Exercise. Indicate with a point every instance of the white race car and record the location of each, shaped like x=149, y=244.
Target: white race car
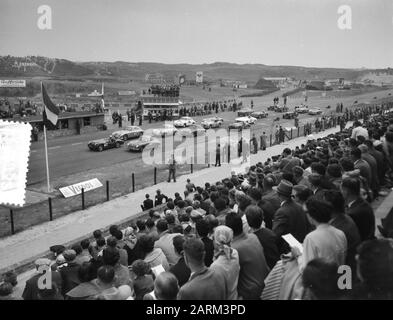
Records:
x=314, y=111
x=247, y=120
x=214, y=122
x=184, y=122
x=301, y=109
x=130, y=132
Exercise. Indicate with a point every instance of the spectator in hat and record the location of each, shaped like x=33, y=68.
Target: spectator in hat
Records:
x=165, y=241
x=266, y=237
x=227, y=259
x=253, y=266
x=153, y=256
x=270, y=196
x=301, y=193
x=325, y=241
x=69, y=273
x=180, y=269
x=204, y=283
x=289, y=218
x=143, y=282
x=358, y=209
x=202, y=231
x=166, y=287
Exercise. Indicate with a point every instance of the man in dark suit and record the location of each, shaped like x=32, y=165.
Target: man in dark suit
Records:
x=31, y=291
x=160, y=198
x=180, y=269
x=372, y=162
x=290, y=217
x=358, y=209
x=202, y=229
x=147, y=203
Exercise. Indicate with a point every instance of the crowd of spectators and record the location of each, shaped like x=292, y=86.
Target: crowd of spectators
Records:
x=224, y=240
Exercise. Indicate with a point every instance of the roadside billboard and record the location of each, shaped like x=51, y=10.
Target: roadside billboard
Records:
x=12, y=83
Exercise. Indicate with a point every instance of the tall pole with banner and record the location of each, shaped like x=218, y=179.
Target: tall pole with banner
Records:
x=50, y=114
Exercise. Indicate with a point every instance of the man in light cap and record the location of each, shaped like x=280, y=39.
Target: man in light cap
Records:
x=43, y=265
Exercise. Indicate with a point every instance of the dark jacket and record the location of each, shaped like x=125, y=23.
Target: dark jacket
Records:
x=290, y=218
x=268, y=240
x=363, y=215
x=181, y=271
x=206, y=284
x=209, y=251
x=31, y=289
x=69, y=277
x=148, y=204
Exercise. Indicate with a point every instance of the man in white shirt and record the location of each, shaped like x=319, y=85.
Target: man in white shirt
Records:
x=326, y=241
x=358, y=130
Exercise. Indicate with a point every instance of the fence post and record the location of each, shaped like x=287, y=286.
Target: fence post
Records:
x=155, y=175
x=83, y=199
x=192, y=166
x=298, y=131
x=291, y=133
x=12, y=221
x=270, y=139
x=50, y=209
x=133, y=182
x=107, y=190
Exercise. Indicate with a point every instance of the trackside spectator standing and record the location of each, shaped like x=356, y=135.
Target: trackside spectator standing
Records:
x=172, y=169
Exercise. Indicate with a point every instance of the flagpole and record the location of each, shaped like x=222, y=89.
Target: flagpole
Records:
x=46, y=153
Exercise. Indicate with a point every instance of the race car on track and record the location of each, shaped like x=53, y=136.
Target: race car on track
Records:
x=168, y=129
x=104, y=144
x=184, y=122
x=280, y=109
x=289, y=115
x=314, y=111
x=128, y=133
x=193, y=130
x=301, y=109
x=259, y=114
x=142, y=143
x=238, y=126
x=248, y=120
x=214, y=122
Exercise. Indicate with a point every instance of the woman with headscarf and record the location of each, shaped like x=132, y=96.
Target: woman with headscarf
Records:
x=226, y=259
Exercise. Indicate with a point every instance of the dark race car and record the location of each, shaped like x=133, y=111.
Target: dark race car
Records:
x=104, y=144
x=259, y=114
x=289, y=115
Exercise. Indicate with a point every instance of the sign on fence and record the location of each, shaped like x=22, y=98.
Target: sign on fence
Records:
x=76, y=189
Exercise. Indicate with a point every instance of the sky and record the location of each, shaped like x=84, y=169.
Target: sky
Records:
x=272, y=32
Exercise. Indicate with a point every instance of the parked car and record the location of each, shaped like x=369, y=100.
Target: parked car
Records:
x=128, y=133
x=301, y=109
x=104, y=144
x=259, y=114
x=214, y=122
x=184, y=122
x=248, y=119
x=281, y=109
x=314, y=111
x=193, y=130
x=289, y=115
x=168, y=129
x=142, y=143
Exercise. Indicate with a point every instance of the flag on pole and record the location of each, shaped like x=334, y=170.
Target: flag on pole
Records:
x=102, y=97
x=51, y=112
